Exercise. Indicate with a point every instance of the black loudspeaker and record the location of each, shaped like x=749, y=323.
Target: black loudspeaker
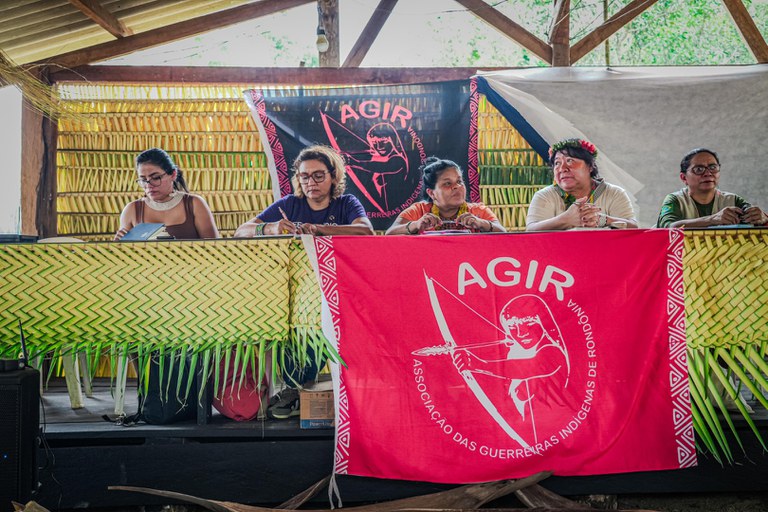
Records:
x=19, y=429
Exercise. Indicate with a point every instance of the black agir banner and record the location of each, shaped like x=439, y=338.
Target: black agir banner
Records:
x=384, y=132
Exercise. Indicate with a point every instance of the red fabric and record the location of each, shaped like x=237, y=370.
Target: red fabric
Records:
x=466, y=363
x=236, y=399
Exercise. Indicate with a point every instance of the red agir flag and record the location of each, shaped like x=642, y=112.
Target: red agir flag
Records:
x=484, y=357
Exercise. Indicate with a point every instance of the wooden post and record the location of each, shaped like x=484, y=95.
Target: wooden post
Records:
x=31, y=165
x=46, y=217
x=607, y=42
x=38, y=172
x=328, y=17
x=561, y=34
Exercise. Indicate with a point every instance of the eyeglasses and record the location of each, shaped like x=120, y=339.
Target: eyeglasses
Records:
x=153, y=180
x=698, y=170
x=317, y=177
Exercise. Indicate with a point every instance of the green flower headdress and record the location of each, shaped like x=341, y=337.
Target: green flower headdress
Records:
x=573, y=143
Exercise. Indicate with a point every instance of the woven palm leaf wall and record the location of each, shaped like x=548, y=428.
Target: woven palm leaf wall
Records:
x=510, y=171
x=210, y=133
x=726, y=304
x=207, y=130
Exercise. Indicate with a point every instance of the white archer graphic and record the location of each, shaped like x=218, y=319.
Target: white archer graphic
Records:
x=533, y=357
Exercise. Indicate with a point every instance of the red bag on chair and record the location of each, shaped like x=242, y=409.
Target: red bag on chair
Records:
x=240, y=401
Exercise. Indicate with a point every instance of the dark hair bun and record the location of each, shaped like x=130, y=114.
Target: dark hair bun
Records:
x=429, y=161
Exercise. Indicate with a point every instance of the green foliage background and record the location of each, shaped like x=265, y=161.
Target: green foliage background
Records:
x=669, y=33
x=442, y=33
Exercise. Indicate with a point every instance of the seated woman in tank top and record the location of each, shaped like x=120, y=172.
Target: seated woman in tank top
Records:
x=167, y=200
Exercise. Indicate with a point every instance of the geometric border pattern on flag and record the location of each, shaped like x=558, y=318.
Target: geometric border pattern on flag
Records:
x=678, y=360
x=472, y=161
x=273, y=143
x=326, y=264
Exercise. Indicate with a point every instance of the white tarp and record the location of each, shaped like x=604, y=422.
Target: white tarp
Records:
x=643, y=120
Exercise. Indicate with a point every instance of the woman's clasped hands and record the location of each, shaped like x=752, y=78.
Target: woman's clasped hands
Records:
x=465, y=220
x=426, y=222
x=583, y=214
x=474, y=222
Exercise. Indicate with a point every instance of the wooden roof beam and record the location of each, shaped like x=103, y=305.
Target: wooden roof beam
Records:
x=562, y=8
x=170, y=33
x=598, y=36
x=509, y=28
x=369, y=34
x=328, y=17
x=262, y=76
x=748, y=29
x=560, y=35
x=109, y=22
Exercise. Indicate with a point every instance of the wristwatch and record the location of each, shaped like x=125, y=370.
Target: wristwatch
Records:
x=602, y=220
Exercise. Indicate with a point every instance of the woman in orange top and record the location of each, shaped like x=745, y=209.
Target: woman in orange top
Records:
x=445, y=206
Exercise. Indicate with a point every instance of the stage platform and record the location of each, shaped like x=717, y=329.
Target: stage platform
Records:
x=267, y=462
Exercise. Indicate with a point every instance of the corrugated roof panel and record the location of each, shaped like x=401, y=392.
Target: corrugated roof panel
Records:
x=31, y=31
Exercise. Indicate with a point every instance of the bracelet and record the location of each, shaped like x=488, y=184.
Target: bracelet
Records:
x=259, y=229
x=408, y=228
x=602, y=220
x=490, y=226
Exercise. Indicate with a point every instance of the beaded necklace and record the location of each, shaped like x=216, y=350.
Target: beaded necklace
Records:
x=436, y=211
x=175, y=199
x=569, y=199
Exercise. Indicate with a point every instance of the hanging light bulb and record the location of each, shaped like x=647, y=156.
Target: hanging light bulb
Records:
x=322, y=41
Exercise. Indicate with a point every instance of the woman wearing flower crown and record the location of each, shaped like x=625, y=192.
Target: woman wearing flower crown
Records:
x=445, y=205
x=167, y=200
x=579, y=198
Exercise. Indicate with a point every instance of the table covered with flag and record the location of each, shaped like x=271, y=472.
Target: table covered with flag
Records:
x=477, y=358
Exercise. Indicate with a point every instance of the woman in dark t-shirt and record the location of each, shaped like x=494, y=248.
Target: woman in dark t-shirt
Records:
x=318, y=205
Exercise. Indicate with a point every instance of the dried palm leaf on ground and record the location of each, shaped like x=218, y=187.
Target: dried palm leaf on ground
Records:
x=464, y=497
x=31, y=506
x=537, y=496
x=35, y=507
x=304, y=496
x=467, y=498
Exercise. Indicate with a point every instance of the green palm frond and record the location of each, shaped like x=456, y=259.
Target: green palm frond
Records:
x=706, y=423
x=712, y=384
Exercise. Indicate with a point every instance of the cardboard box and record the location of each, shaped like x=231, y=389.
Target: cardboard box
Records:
x=316, y=406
